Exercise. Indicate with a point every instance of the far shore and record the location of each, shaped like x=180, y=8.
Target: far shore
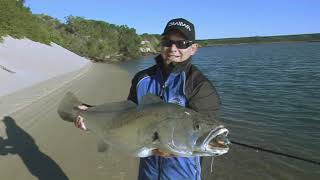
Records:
x=257, y=43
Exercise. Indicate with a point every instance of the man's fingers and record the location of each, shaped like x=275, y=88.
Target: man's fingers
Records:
x=83, y=126
x=79, y=123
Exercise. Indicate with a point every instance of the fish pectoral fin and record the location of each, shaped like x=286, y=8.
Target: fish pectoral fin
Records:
x=102, y=146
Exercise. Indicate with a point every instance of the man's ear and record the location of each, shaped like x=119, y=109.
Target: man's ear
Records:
x=194, y=48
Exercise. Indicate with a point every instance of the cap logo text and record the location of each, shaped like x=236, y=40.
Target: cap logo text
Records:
x=179, y=23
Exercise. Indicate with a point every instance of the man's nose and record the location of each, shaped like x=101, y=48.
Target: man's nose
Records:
x=173, y=47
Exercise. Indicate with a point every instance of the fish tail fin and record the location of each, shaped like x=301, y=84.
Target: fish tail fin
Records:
x=68, y=107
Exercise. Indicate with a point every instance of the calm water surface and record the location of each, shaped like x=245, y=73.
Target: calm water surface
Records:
x=270, y=98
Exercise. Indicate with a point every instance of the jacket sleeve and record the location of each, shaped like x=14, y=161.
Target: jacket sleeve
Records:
x=133, y=91
x=205, y=99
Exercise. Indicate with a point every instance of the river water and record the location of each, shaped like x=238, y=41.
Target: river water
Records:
x=270, y=98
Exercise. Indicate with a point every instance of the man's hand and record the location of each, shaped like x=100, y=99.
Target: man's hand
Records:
x=158, y=152
x=79, y=121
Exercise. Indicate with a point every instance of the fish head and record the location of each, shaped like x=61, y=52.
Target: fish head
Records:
x=211, y=142
x=211, y=136
x=193, y=134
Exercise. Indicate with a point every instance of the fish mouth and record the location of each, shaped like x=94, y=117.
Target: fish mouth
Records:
x=215, y=142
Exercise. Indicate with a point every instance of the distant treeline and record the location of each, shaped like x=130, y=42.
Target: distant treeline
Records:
x=97, y=40
x=261, y=39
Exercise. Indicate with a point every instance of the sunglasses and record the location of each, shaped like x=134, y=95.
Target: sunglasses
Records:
x=181, y=44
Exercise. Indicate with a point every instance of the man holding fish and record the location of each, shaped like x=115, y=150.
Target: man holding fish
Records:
x=175, y=80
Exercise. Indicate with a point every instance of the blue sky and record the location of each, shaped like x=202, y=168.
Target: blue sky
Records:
x=212, y=18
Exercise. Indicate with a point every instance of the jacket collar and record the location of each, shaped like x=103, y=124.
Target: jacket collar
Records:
x=174, y=68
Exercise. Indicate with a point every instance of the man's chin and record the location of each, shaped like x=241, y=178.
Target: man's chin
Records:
x=173, y=60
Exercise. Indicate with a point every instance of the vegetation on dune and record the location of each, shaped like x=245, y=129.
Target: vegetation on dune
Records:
x=18, y=21
x=97, y=40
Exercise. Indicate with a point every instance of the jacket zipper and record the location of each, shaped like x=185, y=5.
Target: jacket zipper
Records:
x=163, y=86
x=162, y=91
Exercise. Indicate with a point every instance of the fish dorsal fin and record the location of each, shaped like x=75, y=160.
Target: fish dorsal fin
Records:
x=149, y=99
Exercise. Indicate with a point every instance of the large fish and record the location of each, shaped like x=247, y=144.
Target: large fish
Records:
x=154, y=124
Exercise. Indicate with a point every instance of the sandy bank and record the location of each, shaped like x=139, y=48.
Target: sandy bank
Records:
x=34, y=142
x=42, y=146
x=24, y=63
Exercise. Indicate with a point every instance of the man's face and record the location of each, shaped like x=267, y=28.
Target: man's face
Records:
x=173, y=54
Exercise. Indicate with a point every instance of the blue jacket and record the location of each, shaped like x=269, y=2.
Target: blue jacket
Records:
x=184, y=85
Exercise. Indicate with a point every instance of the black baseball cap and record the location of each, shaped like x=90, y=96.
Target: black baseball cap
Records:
x=182, y=25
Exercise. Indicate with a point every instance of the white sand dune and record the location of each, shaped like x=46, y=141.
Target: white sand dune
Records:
x=24, y=63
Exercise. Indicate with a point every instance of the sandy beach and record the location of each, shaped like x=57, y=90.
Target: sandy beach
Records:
x=36, y=144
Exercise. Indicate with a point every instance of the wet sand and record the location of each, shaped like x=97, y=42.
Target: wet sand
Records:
x=36, y=144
